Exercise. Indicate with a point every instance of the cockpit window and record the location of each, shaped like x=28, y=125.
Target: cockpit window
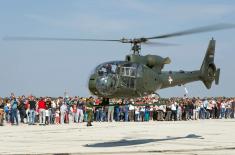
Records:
x=121, y=68
x=108, y=68
x=128, y=71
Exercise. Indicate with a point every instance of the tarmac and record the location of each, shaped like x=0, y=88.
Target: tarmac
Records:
x=154, y=137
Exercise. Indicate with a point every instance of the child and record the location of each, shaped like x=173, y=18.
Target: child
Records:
x=47, y=117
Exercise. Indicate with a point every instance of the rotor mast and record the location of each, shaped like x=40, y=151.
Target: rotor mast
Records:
x=135, y=43
x=136, y=47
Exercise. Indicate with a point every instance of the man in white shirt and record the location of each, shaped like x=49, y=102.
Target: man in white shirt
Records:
x=63, y=110
x=173, y=111
x=131, y=110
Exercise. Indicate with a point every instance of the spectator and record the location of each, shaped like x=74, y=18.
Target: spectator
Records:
x=63, y=111
x=6, y=110
x=57, y=116
x=14, y=112
x=22, y=110
x=117, y=113
x=32, y=110
x=111, y=110
x=126, y=111
x=42, y=111
x=131, y=110
x=80, y=107
x=173, y=111
x=1, y=111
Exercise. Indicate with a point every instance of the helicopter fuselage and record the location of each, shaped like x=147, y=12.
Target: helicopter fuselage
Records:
x=123, y=79
x=139, y=76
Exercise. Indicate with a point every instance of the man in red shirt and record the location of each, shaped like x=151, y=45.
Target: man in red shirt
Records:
x=42, y=111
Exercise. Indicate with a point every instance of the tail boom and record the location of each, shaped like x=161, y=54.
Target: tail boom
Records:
x=207, y=73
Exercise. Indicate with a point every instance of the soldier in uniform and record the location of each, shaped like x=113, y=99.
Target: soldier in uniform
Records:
x=89, y=110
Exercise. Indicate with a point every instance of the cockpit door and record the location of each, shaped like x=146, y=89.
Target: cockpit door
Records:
x=128, y=76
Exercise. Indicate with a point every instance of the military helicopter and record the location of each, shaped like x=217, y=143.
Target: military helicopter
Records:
x=140, y=75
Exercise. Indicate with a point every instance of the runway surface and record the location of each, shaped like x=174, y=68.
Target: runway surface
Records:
x=185, y=137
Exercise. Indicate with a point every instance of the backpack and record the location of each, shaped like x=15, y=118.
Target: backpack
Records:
x=14, y=105
x=6, y=109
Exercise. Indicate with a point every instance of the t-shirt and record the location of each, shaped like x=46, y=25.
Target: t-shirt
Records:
x=110, y=108
x=14, y=105
x=173, y=107
x=32, y=105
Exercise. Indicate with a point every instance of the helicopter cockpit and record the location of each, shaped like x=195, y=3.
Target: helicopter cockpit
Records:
x=116, y=74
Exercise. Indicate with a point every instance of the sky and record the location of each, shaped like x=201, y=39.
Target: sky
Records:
x=47, y=68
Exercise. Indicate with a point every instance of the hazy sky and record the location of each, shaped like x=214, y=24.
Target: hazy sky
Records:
x=49, y=67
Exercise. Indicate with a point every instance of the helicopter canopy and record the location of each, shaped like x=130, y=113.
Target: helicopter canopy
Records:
x=110, y=74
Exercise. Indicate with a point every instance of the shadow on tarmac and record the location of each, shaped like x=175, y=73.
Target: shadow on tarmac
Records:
x=125, y=142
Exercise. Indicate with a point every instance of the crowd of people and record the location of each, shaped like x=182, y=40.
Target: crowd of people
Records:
x=47, y=110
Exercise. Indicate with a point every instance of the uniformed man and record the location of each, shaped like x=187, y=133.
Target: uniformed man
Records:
x=89, y=110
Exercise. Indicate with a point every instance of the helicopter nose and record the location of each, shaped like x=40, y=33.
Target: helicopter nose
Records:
x=92, y=84
x=102, y=85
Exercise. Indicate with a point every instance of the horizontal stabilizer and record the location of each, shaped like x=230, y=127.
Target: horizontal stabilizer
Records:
x=217, y=76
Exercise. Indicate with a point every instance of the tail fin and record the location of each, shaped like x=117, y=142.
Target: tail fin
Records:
x=209, y=73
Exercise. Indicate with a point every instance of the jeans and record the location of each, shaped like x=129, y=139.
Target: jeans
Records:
x=137, y=117
x=222, y=112
x=22, y=115
x=14, y=116
x=117, y=115
x=7, y=116
x=173, y=115
x=99, y=115
x=126, y=116
x=31, y=116
x=142, y=116
x=85, y=116
x=202, y=113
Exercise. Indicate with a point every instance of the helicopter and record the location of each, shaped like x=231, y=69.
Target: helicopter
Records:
x=140, y=75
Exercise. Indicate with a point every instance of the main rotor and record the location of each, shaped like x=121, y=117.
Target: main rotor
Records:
x=135, y=42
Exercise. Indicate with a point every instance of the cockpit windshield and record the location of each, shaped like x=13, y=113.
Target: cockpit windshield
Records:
x=108, y=68
x=114, y=73
x=121, y=68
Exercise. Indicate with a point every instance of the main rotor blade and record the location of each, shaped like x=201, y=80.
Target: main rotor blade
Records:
x=196, y=30
x=158, y=44
x=53, y=39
